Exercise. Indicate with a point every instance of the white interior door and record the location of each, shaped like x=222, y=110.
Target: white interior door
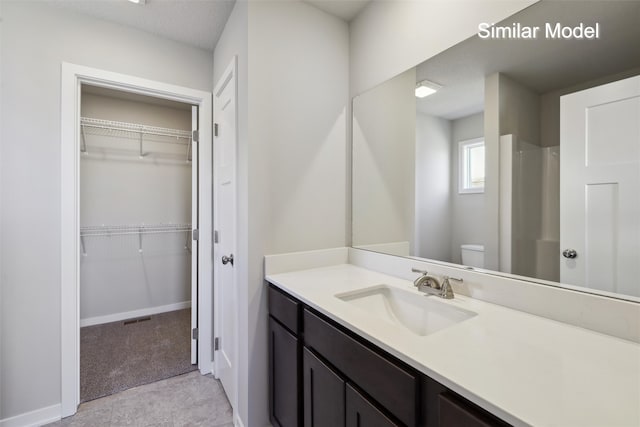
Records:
x=194, y=241
x=600, y=187
x=224, y=172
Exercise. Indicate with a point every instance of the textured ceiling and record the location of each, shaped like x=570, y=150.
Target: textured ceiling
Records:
x=543, y=65
x=195, y=22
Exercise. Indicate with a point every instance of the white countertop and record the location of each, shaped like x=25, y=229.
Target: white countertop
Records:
x=525, y=369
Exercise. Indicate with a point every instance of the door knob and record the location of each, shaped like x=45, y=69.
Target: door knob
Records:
x=569, y=253
x=227, y=259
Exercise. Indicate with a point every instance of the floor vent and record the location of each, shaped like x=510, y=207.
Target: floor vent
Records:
x=136, y=320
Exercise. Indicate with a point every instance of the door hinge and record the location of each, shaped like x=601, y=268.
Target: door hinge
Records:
x=195, y=136
x=194, y=334
x=215, y=129
x=216, y=344
x=215, y=236
x=196, y=234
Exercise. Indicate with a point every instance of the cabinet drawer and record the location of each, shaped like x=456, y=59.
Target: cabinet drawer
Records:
x=392, y=386
x=284, y=308
x=455, y=412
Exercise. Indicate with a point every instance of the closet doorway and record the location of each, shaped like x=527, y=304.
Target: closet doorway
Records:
x=136, y=190
x=138, y=263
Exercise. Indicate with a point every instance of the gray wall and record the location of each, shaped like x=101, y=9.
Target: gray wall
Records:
x=118, y=188
x=293, y=81
x=510, y=108
x=467, y=210
x=520, y=117
x=384, y=140
x=433, y=188
x=519, y=110
x=299, y=86
x=389, y=37
x=30, y=172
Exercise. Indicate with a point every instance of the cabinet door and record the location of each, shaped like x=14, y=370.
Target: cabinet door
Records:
x=361, y=413
x=456, y=413
x=283, y=374
x=324, y=399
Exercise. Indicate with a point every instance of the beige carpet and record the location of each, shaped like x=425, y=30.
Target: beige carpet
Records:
x=115, y=356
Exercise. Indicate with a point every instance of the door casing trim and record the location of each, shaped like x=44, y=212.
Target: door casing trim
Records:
x=72, y=77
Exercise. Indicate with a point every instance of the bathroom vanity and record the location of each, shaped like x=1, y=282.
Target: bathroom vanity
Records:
x=352, y=346
x=324, y=374
x=544, y=329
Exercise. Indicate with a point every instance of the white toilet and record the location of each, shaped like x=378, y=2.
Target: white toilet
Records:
x=473, y=255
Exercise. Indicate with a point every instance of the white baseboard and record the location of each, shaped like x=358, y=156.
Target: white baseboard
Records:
x=39, y=417
x=115, y=317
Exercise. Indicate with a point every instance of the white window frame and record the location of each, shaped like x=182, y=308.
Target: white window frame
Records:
x=463, y=166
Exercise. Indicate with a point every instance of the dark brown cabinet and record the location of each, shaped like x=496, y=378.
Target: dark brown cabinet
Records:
x=285, y=353
x=457, y=412
x=361, y=412
x=323, y=393
x=283, y=362
x=324, y=375
x=393, y=386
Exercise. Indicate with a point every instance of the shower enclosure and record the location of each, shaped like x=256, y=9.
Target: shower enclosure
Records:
x=529, y=209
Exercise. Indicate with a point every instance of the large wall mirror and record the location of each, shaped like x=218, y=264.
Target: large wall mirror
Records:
x=512, y=156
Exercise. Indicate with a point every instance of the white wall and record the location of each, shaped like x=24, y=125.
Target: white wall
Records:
x=298, y=83
x=293, y=83
x=36, y=39
x=119, y=188
x=433, y=188
x=467, y=209
x=389, y=37
x=384, y=141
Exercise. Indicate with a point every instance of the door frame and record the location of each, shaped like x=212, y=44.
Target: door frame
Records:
x=72, y=76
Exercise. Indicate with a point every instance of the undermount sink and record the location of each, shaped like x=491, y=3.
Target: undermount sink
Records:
x=420, y=314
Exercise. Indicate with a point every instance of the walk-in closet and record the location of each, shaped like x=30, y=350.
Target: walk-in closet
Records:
x=136, y=214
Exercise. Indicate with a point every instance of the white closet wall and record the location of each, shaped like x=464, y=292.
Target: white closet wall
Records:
x=124, y=274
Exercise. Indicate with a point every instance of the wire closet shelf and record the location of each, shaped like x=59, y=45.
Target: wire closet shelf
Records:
x=121, y=230
x=91, y=126
x=139, y=230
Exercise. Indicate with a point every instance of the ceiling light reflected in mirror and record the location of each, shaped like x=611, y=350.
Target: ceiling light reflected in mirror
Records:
x=426, y=88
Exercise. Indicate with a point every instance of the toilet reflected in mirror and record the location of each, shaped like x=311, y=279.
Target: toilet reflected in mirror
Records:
x=472, y=255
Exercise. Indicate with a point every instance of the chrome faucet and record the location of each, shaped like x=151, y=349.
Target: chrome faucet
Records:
x=431, y=285
x=425, y=280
